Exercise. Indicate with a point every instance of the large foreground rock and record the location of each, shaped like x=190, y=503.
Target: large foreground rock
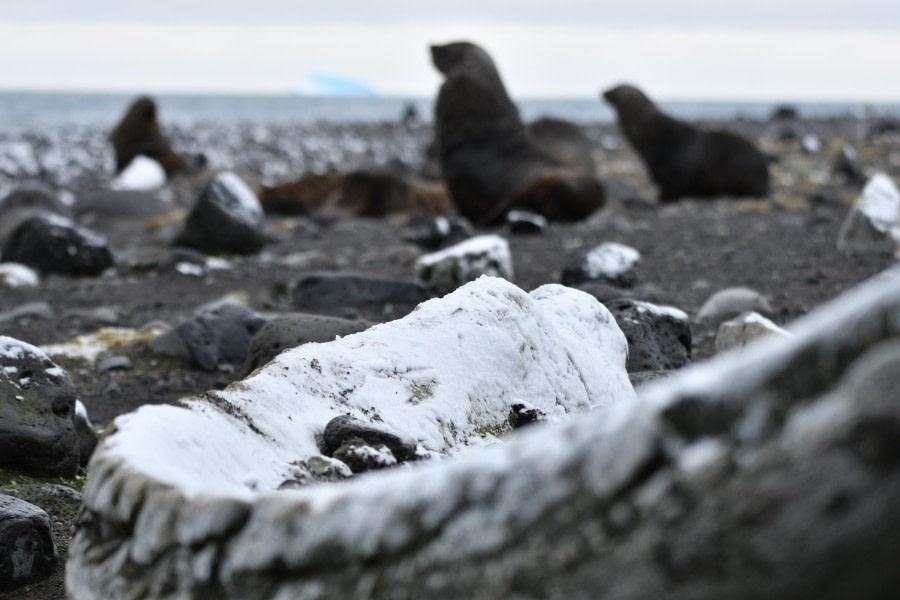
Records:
x=446, y=375
x=771, y=473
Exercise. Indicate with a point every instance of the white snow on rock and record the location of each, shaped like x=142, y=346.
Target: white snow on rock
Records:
x=744, y=329
x=238, y=199
x=661, y=310
x=14, y=275
x=610, y=259
x=873, y=224
x=142, y=173
x=447, y=374
x=447, y=269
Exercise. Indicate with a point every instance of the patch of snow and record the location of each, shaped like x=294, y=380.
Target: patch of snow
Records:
x=610, y=259
x=447, y=374
x=90, y=346
x=186, y=268
x=15, y=275
x=880, y=201
x=215, y=263
x=663, y=310
x=142, y=173
x=81, y=411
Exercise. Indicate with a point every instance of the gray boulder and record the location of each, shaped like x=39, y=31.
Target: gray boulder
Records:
x=227, y=217
x=27, y=551
x=610, y=262
x=291, y=330
x=731, y=302
x=659, y=337
x=216, y=335
x=53, y=244
x=37, y=406
x=328, y=289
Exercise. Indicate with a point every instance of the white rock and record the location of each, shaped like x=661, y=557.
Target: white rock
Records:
x=142, y=173
x=873, y=224
x=14, y=275
x=731, y=302
x=446, y=270
x=744, y=329
x=610, y=259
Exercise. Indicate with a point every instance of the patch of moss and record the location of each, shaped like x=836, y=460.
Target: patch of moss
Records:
x=11, y=477
x=494, y=429
x=419, y=392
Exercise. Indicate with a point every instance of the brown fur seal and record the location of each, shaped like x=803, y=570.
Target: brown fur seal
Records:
x=686, y=161
x=139, y=133
x=487, y=158
x=366, y=193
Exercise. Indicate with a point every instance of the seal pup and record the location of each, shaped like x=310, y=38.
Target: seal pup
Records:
x=487, y=158
x=139, y=133
x=684, y=160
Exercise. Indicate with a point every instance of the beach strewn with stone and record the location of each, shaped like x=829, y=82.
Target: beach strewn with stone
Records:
x=654, y=392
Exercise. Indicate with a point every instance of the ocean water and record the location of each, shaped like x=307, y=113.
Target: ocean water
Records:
x=36, y=110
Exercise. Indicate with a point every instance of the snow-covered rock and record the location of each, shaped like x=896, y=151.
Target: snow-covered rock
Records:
x=744, y=329
x=13, y=275
x=447, y=269
x=446, y=375
x=639, y=500
x=610, y=261
x=142, y=173
x=873, y=224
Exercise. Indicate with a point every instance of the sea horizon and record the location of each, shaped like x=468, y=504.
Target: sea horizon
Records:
x=36, y=109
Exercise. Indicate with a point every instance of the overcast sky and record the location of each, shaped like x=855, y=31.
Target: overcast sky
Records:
x=693, y=49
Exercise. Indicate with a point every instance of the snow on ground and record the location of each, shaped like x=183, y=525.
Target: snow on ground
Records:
x=447, y=374
x=142, y=173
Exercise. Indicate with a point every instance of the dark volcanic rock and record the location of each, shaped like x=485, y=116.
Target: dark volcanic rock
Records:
x=341, y=429
x=291, y=330
x=37, y=404
x=659, y=338
x=216, y=335
x=361, y=456
x=522, y=414
x=25, y=202
x=353, y=289
x=54, y=244
x=27, y=551
x=227, y=217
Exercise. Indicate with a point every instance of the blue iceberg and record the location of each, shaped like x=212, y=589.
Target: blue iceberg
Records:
x=324, y=83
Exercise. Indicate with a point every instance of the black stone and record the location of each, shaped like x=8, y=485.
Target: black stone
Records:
x=350, y=289
x=54, y=244
x=521, y=415
x=218, y=223
x=343, y=428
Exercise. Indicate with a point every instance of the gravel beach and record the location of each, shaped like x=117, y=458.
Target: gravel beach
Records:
x=783, y=246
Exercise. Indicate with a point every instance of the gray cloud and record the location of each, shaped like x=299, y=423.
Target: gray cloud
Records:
x=801, y=14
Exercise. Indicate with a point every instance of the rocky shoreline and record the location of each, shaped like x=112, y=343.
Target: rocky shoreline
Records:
x=784, y=247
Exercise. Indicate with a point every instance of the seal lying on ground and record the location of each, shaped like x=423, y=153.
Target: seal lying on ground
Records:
x=139, y=133
x=686, y=161
x=487, y=158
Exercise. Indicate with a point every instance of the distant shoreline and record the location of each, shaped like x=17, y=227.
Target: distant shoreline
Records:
x=21, y=110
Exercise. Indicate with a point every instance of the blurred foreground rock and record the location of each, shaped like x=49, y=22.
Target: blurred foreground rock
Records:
x=768, y=473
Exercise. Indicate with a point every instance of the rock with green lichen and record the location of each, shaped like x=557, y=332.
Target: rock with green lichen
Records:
x=37, y=406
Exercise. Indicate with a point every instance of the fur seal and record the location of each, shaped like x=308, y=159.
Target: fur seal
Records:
x=487, y=158
x=686, y=161
x=365, y=193
x=139, y=133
